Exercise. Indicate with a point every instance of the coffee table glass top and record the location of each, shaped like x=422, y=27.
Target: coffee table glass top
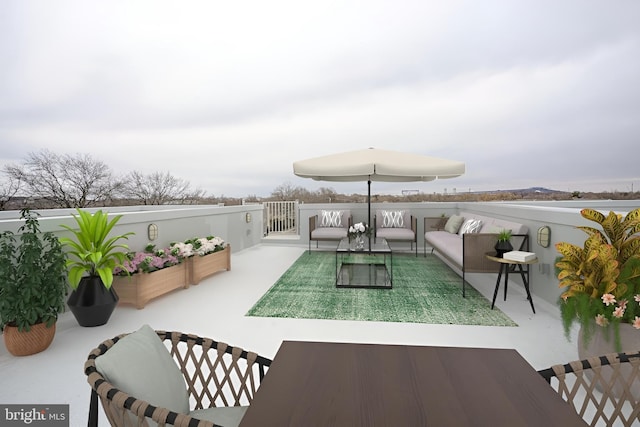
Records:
x=377, y=246
x=364, y=268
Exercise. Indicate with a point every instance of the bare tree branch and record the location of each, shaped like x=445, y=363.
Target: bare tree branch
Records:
x=65, y=181
x=159, y=188
x=8, y=189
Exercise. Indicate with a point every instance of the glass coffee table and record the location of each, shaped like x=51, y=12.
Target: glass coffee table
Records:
x=364, y=268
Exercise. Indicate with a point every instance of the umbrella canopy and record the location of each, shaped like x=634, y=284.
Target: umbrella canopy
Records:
x=377, y=165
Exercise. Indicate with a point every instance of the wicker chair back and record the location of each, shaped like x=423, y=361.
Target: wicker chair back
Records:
x=217, y=375
x=602, y=390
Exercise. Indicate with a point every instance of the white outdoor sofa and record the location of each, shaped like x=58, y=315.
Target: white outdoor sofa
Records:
x=466, y=247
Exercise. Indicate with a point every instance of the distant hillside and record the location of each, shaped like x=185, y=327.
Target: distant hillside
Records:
x=538, y=190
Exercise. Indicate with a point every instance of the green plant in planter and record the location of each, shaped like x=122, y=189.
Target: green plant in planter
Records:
x=602, y=278
x=503, y=244
x=504, y=235
x=33, y=280
x=93, y=252
x=33, y=285
x=93, y=257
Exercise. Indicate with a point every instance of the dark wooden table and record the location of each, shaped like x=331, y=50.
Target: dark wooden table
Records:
x=333, y=384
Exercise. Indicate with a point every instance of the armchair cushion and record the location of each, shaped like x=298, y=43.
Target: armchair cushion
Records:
x=394, y=219
x=396, y=234
x=140, y=365
x=224, y=416
x=329, y=233
x=331, y=219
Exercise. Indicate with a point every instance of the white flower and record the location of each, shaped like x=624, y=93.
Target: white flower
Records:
x=357, y=229
x=184, y=249
x=199, y=246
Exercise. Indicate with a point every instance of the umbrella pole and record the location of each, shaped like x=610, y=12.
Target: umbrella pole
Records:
x=369, y=208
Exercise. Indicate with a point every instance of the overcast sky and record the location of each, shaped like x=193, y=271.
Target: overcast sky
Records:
x=228, y=94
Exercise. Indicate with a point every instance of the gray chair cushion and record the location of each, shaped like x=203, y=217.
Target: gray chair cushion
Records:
x=223, y=416
x=329, y=233
x=395, y=234
x=139, y=364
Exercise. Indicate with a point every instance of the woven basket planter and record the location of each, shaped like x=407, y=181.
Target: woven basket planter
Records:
x=139, y=288
x=199, y=267
x=27, y=343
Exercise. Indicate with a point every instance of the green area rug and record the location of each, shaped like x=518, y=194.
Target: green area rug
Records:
x=425, y=290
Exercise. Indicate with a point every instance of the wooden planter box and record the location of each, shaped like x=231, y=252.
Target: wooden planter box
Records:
x=199, y=267
x=139, y=288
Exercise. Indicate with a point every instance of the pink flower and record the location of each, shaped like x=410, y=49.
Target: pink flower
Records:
x=601, y=320
x=623, y=303
x=618, y=312
x=636, y=322
x=637, y=298
x=608, y=299
x=147, y=261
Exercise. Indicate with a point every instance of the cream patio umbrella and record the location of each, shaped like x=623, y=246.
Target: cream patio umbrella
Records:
x=373, y=164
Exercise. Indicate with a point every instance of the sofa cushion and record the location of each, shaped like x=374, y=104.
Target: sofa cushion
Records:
x=331, y=219
x=492, y=229
x=470, y=226
x=139, y=364
x=447, y=243
x=453, y=224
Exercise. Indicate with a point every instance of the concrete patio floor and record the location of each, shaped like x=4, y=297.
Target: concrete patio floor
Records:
x=216, y=308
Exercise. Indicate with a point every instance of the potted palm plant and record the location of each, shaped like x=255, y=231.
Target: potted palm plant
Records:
x=93, y=255
x=33, y=285
x=602, y=282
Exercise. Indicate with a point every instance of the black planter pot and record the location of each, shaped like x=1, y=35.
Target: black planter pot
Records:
x=91, y=303
x=502, y=247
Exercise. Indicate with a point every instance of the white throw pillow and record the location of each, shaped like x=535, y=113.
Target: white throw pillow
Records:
x=392, y=219
x=139, y=364
x=470, y=226
x=453, y=224
x=331, y=219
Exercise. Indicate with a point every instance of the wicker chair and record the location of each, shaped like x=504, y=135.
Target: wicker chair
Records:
x=216, y=375
x=603, y=390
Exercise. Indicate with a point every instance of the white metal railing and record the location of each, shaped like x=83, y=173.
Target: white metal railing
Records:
x=281, y=217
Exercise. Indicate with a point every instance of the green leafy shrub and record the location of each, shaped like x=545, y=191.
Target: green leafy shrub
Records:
x=33, y=276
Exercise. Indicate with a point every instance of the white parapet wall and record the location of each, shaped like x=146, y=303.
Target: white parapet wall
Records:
x=174, y=223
